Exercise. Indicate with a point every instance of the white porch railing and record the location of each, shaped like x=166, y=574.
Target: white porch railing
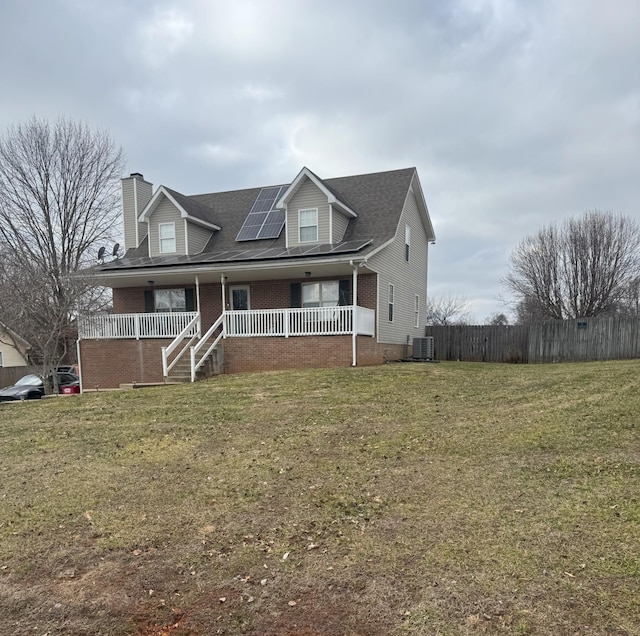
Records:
x=112, y=326
x=316, y=321
x=365, y=321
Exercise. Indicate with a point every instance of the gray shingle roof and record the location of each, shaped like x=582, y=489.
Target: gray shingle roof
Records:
x=192, y=207
x=377, y=198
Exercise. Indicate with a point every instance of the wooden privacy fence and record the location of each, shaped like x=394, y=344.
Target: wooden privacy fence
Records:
x=9, y=375
x=485, y=343
x=555, y=341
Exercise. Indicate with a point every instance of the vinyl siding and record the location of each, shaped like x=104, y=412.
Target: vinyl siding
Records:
x=144, y=191
x=11, y=357
x=165, y=212
x=198, y=238
x=407, y=278
x=339, y=225
x=308, y=196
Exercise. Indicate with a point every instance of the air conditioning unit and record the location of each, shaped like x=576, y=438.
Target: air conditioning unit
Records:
x=423, y=348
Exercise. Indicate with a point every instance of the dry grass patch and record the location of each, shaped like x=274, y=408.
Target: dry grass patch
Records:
x=402, y=500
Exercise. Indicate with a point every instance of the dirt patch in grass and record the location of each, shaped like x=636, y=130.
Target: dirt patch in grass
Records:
x=397, y=500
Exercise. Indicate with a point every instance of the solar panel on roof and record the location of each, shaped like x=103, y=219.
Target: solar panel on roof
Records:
x=264, y=221
x=271, y=253
x=272, y=225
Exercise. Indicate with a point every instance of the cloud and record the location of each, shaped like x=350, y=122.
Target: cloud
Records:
x=515, y=113
x=163, y=35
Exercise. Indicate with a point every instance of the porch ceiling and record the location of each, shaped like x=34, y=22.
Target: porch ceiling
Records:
x=235, y=273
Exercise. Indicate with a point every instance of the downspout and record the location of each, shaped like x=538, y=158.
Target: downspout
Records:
x=354, y=315
x=79, y=363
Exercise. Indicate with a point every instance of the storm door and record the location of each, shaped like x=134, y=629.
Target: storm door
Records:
x=240, y=301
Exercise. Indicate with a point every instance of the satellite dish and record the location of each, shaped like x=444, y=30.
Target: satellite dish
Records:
x=116, y=247
x=101, y=252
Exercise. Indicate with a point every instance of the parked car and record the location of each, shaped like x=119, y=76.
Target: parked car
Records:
x=31, y=387
x=68, y=368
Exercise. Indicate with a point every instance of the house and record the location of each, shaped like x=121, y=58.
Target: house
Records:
x=312, y=273
x=14, y=350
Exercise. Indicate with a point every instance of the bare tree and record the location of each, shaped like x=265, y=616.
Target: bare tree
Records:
x=529, y=310
x=448, y=310
x=497, y=319
x=585, y=267
x=58, y=204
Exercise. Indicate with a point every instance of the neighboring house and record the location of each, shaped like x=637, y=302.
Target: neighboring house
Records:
x=315, y=273
x=14, y=350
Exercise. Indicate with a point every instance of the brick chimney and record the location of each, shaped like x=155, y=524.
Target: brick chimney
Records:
x=136, y=193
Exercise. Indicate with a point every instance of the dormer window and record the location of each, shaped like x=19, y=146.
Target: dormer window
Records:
x=167, y=234
x=308, y=225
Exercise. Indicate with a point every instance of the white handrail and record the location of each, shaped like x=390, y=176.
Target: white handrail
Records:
x=194, y=350
x=168, y=350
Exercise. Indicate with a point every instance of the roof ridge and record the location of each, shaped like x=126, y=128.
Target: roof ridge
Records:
x=278, y=185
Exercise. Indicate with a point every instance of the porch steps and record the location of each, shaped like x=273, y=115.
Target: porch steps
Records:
x=181, y=372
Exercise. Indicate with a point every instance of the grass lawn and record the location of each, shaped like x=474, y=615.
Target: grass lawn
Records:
x=407, y=499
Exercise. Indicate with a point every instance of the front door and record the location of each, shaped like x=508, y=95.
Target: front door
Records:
x=240, y=301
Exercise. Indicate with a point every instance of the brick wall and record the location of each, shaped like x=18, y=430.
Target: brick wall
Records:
x=368, y=291
x=264, y=294
x=109, y=363
x=210, y=303
x=304, y=352
x=128, y=300
x=370, y=352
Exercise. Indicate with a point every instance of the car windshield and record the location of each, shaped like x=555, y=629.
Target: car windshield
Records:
x=29, y=380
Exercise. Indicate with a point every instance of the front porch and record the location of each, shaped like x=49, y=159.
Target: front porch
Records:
x=154, y=347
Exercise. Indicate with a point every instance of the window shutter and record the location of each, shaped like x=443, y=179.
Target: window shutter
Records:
x=296, y=295
x=148, y=301
x=344, y=292
x=189, y=299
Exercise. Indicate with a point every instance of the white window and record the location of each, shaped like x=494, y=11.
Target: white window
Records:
x=416, y=311
x=321, y=294
x=407, y=241
x=390, y=302
x=167, y=234
x=308, y=225
x=170, y=300
x=240, y=300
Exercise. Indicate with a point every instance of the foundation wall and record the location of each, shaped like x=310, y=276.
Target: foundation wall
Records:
x=108, y=363
x=105, y=364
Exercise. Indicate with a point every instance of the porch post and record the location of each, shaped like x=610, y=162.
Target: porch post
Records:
x=223, y=283
x=354, y=303
x=198, y=304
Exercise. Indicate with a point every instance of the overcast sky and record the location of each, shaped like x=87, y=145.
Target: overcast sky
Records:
x=515, y=113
